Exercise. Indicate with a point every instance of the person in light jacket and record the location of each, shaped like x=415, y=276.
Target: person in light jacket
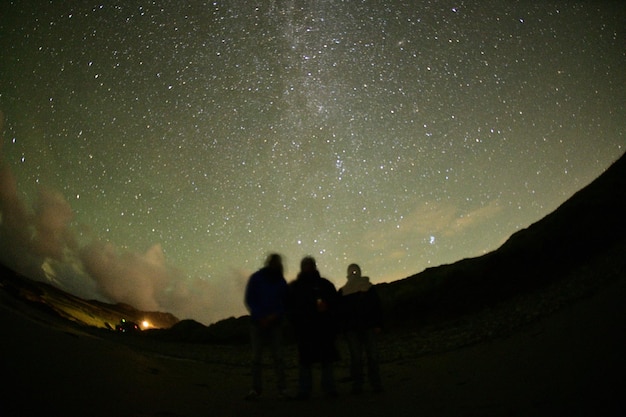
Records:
x=361, y=321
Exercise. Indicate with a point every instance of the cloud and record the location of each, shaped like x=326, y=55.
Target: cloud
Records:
x=30, y=235
x=15, y=217
x=476, y=217
x=39, y=241
x=51, y=221
x=432, y=218
x=147, y=282
x=127, y=277
x=208, y=300
x=16, y=226
x=421, y=233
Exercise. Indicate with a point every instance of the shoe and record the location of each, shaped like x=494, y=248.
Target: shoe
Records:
x=253, y=395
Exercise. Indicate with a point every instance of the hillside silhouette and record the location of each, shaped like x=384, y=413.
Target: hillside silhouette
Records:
x=535, y=328
x=581, y=246
x=582, y=241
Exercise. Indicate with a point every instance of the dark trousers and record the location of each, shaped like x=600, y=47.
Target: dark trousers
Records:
x=305, y=380
x=272, y=337
x=362, y=345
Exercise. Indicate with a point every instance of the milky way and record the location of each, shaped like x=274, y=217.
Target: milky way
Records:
x=155, y=152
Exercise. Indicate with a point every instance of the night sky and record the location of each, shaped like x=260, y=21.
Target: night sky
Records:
x=154, y=152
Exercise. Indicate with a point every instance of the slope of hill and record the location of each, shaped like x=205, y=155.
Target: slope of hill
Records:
x=575, y=249
x=83, y=312
x=566, y=255
x=470, y=339
x=535, y=328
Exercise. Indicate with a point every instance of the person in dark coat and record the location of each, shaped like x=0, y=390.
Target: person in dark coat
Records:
x=312, y=304
x=361, y=320
x=265, y=298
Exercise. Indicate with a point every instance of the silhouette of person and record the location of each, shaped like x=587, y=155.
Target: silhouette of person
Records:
x=265, y=297
x=361, y=320
x=312, y=310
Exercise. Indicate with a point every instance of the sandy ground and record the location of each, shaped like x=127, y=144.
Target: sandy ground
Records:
x=568, y=364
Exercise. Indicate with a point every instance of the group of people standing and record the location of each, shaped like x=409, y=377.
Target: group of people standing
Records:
x=317, y=312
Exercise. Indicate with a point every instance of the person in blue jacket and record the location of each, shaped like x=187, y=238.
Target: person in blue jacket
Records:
x=265, y=297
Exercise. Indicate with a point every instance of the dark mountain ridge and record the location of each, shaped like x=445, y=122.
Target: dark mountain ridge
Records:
x=581, y=245
x=463, y=339
x=583, y=239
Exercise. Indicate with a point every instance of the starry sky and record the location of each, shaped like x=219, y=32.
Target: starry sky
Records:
x=154, y=152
